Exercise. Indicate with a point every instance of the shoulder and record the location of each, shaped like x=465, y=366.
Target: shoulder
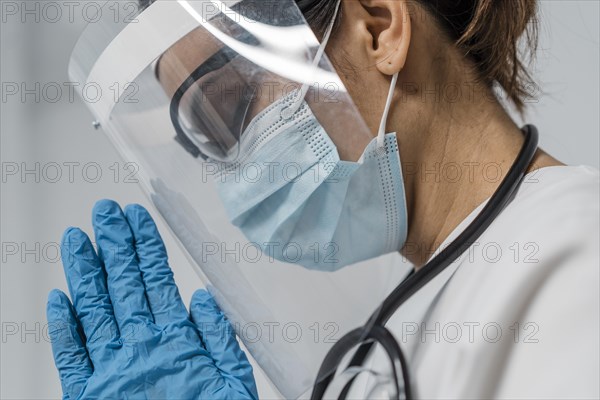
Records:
x=556, y=213
x=532, y=281
x=551, y=228
x=552, y=193
x=556, y=192
x=556, y=290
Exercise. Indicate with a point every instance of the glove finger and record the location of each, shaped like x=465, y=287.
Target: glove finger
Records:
x=220, y=341
x=117, y=252
x=87, y=284
x=162, y=293
x=70, y=356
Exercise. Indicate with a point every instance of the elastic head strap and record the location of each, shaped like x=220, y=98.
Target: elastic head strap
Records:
x=288, y=112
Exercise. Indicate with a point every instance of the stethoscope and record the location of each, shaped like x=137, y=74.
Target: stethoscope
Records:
x=375, y=332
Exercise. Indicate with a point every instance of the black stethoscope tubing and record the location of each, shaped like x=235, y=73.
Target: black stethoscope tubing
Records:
x=374, y=330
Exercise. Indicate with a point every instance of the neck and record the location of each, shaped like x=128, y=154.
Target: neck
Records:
x=465, y=152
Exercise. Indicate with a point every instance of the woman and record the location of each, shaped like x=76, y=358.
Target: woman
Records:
x=515, y=316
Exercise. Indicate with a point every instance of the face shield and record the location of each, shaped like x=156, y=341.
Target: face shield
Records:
x=209, y=99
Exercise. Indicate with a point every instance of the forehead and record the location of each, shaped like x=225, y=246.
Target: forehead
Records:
x=265, y=24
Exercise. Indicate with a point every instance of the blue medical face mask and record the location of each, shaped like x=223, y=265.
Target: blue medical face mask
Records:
x=327, y=213
x=302, y=204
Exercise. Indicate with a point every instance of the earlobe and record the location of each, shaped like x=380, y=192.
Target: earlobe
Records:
x=390, y=25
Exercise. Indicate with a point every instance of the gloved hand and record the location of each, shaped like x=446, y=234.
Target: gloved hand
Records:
x=127, y=333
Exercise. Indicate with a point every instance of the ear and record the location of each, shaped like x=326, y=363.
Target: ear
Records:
x=389, y=26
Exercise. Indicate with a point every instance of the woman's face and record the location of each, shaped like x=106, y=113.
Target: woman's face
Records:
x=240, y=88
x=368, y=46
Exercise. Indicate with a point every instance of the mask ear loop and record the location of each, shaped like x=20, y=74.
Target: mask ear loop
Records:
x=291, y=110
x=386, y=111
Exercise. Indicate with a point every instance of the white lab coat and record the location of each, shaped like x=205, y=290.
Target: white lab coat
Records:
x=517, y=316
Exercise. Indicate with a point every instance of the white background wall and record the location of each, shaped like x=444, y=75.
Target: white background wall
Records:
x=34, y=214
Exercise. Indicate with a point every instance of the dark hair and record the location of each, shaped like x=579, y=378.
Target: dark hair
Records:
x=487, y=31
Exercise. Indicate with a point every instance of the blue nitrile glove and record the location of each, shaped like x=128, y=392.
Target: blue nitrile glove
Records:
x=127, y=334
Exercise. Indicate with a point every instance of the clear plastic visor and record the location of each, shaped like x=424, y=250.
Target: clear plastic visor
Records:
x=182, y=83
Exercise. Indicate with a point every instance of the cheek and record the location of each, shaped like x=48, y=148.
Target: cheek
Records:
x=369, y=97
x=367, y=86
